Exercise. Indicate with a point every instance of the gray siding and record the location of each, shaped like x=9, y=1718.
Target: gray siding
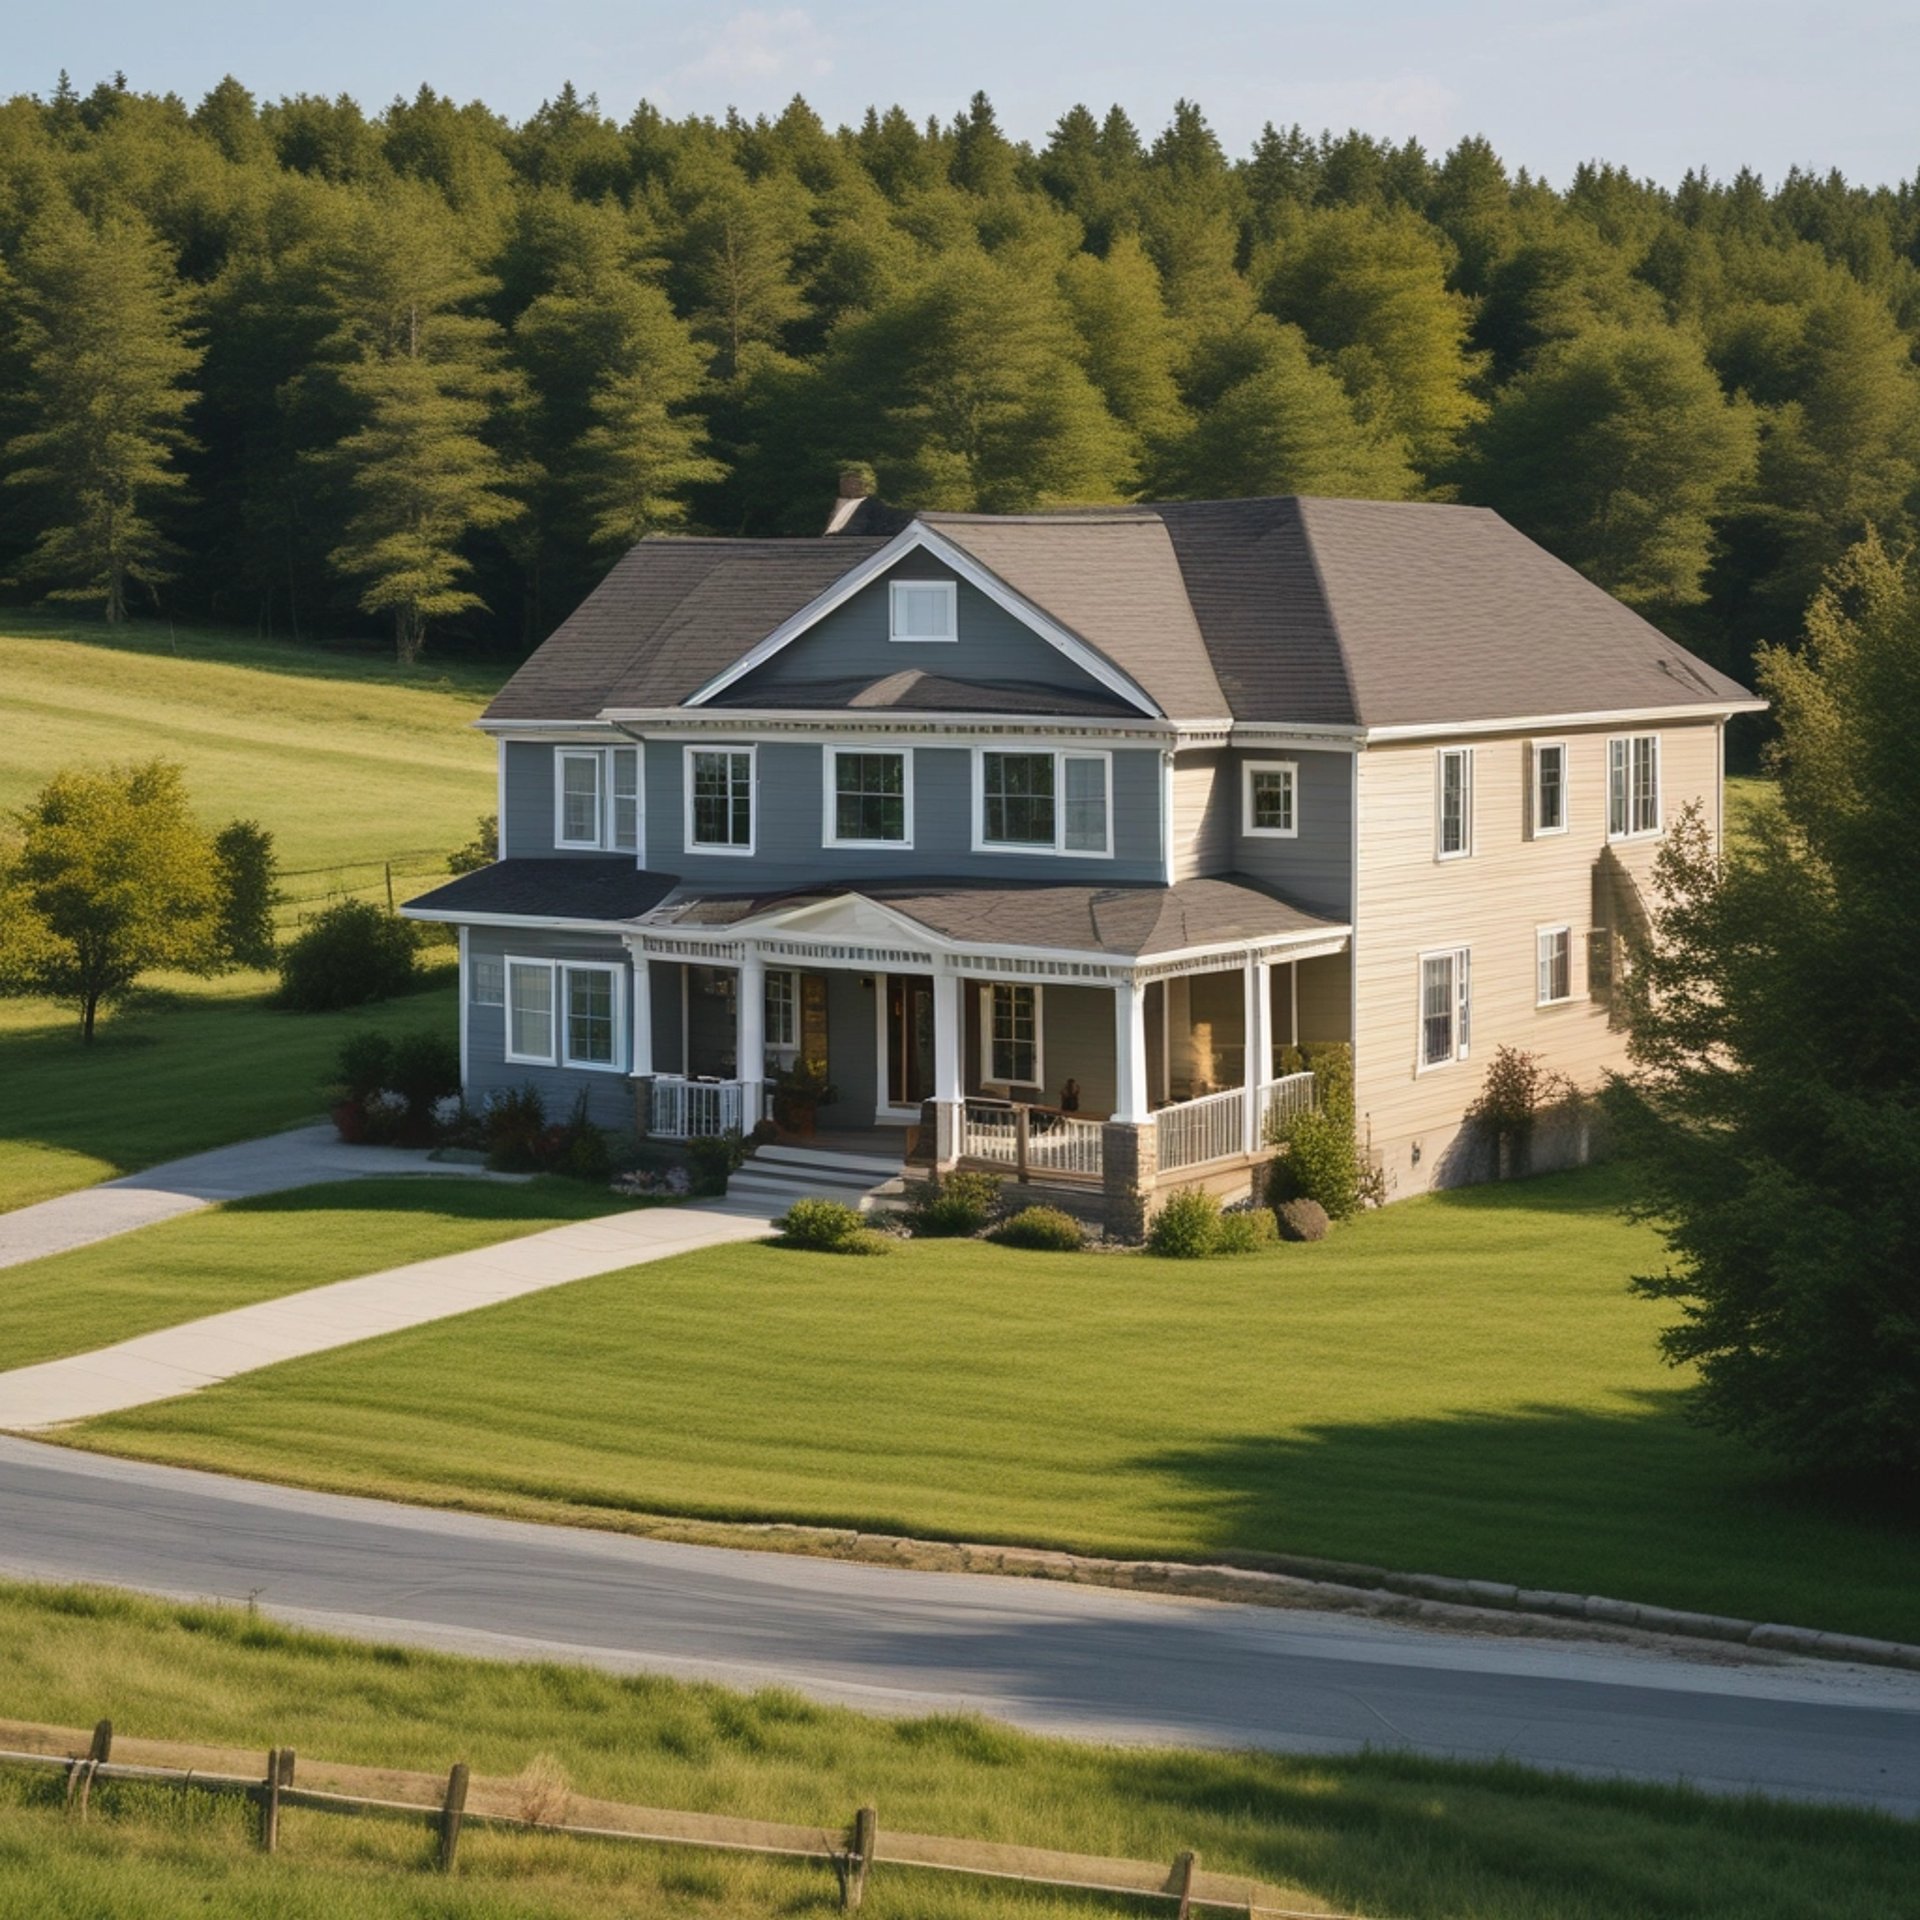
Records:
x=609, y=1095
x=851, y=643
x=790, y=824
x=1314, y=869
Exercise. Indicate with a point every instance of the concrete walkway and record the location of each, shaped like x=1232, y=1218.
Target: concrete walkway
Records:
x=176, y=1360
x=299, y=1158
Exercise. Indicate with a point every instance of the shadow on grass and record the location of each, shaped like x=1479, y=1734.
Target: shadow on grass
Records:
x=1636, y=1503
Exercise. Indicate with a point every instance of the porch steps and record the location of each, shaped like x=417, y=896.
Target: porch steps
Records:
x=774, y=1177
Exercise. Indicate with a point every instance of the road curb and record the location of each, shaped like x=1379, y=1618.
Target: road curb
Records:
x=1299, y=1581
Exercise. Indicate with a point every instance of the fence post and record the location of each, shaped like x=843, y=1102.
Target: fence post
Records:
x=1185, y=1867
x=270, y=1804
x=389, y=866
x=866, y=1824
x=1022, y=1122
x=450, y=1815
x=102, y=1749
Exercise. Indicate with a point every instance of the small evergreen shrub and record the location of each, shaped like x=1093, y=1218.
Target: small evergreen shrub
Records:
x=1302, y=1220
x=713, y=1158
x=823, y=1226
x=866, y=1241
x=351, y=953
x=1042, y=1230
x=1187, y=1227
x=513, y=1126
x=954, y=1207
x=365, y=1063
x=1246, y=1231
x=424, y=1066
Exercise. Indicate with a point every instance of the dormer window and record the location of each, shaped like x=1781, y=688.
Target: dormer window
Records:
x=923, y=610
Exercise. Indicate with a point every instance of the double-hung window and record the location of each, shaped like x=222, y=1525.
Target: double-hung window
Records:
x=1549, y=787
x=596, y=798
x=720, y=799
x=783, y=1015
x=1059, y=802
x=1633, y=786
x=1453, y=803
x=1553, y=965
x=568, y=1013
x=1445, y=1006
x=926, y=610
x=1269, y=799
x=869, y=798
x=1010, y=1035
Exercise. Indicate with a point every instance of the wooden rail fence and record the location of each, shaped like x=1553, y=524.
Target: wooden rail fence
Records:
x=449, y=1805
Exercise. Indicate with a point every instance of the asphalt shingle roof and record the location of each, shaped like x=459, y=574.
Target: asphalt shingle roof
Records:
x=1361, y=613
x=587, y=887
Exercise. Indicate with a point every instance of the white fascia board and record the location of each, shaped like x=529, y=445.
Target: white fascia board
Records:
x=461, y=917
x=592, y=733
x=923, y=539
x=1701, y=710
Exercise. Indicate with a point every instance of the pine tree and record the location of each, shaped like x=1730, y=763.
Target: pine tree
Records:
x=423, y=373
x=102, y=333
x=1129, y=344
x=1266, y=419
x=1619, y=452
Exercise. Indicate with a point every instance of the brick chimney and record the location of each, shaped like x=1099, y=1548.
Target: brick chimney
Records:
x=856, y=486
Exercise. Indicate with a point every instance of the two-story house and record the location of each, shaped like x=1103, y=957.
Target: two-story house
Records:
x=1051, y=834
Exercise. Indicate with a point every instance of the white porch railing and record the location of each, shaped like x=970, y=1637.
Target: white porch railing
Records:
x=694, y=1109
x=1195, y=1131
x=1281, y=1099
x=1033, y=1138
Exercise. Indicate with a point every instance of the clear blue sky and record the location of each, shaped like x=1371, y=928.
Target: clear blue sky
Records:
x=1656, y=86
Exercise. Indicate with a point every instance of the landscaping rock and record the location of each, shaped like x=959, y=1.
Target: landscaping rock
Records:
x=1302, y=1220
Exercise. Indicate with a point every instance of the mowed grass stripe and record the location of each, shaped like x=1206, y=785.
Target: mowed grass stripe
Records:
x=1460, y=1384
x=1369, y=1833
x=259, y=1249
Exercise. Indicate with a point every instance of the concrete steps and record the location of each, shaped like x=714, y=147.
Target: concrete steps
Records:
x=774, y=1177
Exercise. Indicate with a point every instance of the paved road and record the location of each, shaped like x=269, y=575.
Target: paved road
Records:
x=299, y=1157
x=1054, y=1658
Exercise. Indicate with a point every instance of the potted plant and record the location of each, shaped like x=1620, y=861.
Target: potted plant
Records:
x=801, y=1090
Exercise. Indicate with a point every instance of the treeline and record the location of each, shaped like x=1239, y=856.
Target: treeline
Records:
x=304, y=368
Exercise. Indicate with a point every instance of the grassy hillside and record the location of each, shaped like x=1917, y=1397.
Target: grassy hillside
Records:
x=1373, y=1833
x=351, y=763
x=1460, y=1384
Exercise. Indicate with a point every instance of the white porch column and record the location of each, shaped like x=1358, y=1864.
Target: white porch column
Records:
x=1130, y=1052
x=1259, y=1047
x=642, y=1068
x=949, y=1076
x=750, y=1037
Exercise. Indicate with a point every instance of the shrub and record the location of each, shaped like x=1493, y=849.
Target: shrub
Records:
x=713, y=1157
x=514, y=1124
x=822, y=1226
x=249, y=886
x=365, y=1063
x=1302, y=1220
x=1516, y=1091
x=1042, y=1229
x=1246, y=1231
x=866, y=1241
x=954, y=1207
x=1187, y=1227
x=1322, y=1160
x=351, y=953
x=425, y=1065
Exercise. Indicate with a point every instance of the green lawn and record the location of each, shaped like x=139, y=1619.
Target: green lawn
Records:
x=351, y=761
x=257, y=1249
x=1375, y=1834
x=1459, y=1384
x=195, y=1067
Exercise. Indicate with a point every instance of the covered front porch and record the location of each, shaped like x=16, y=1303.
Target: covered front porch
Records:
x=1121, y=1075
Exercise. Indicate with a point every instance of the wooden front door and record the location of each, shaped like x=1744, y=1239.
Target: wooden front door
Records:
x=909, y=1063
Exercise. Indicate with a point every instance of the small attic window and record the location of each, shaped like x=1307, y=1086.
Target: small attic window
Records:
x=924, y=610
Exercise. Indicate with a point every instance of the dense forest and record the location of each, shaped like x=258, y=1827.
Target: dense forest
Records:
x=319, y=372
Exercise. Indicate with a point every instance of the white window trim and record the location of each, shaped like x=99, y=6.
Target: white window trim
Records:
x=1440, y=850
x=474, y=963
x=519, y=962
x=617, y=975
x=788, y=1050
x=597, y=759
x=693, y=846
x=1543, y=933
x=1630, y=831
x=987, y=1075
x=603, y=840
x=949, y=589
x=1534, y=750
x=1462, y=958
x=830, y=794
x=1291, y=768
x=1059, y=850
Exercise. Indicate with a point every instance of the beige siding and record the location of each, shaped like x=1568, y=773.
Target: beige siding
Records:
x=1409, y=902
x=1325, y=999
x=1202, y=814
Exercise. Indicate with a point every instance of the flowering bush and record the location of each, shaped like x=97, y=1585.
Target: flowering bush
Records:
x=643, y=1183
